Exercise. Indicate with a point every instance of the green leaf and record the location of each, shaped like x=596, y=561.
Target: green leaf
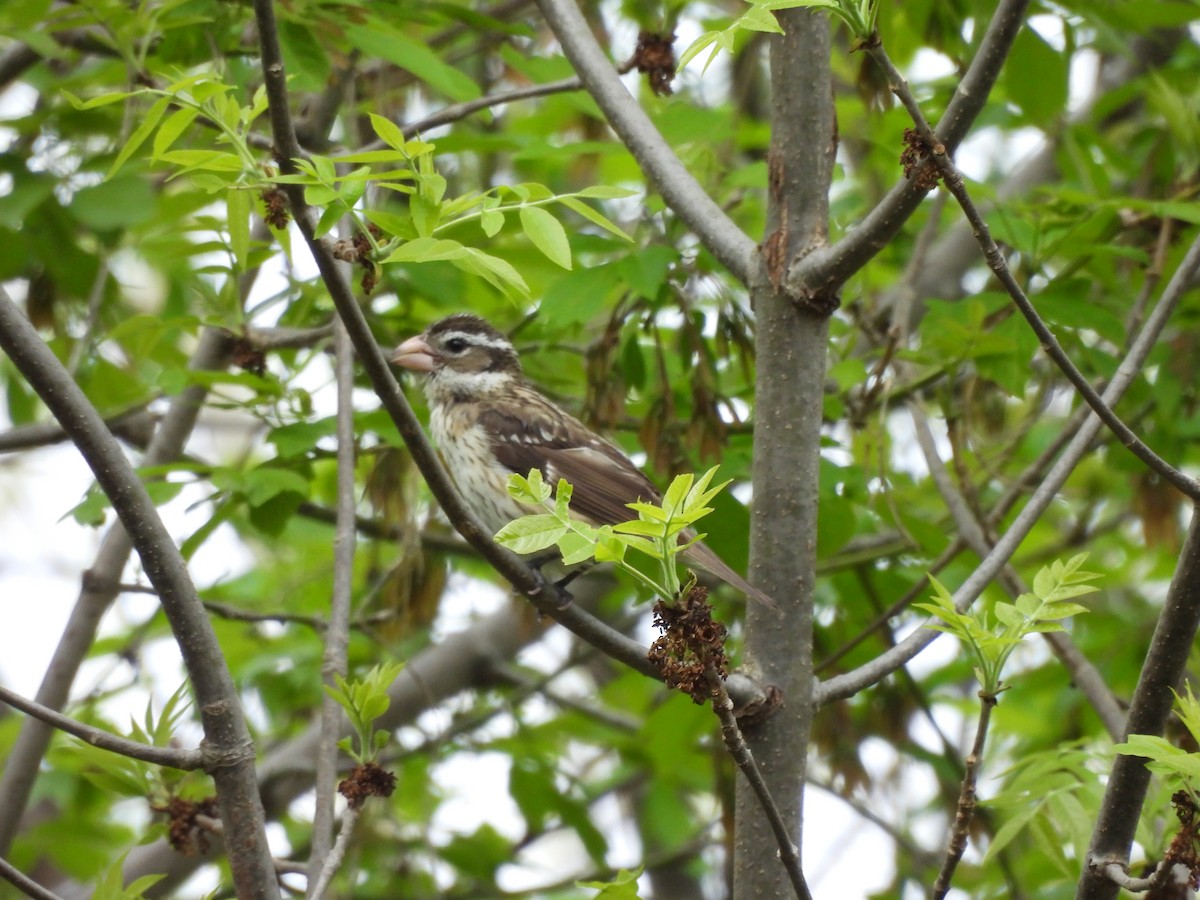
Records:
x=562, y=499
x=576, y=548
x=491, y=221
x=529, y=534
x=623, y=887
x=1036, y=77
x=375, y=38
x=495, y=270
x=388, y=131
x=640, y=527
x=266, y=482
x=427, y=249
x=122, y=202
x=594, y=217
x=529, y=488
x=580, y=296
x=237, y=204
x=677, y=492
x=145, y=127
x=173, y=126
x=304, y=58
x=547, y=234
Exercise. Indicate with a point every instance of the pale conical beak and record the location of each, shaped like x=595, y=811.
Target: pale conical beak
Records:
x=414, y=354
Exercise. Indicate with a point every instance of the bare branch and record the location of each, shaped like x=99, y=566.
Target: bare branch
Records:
x=229, y=750
x=1149, y=709
x=966, y=800
x=458, y=111
x=24, y=883
x=96, y=594
x=172, y=758
x=337, y=635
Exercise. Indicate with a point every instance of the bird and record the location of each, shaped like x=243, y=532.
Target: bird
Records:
x=490, y=422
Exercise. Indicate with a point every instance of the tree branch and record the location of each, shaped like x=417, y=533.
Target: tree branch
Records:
x=96, y=594
x=24, y=883
x=723, y=238
x=229, y=750
x=939, y=155
x=459, y=111
x=1149, y=709
x=847, y=685
x=171, y=757
x=337, y=635
x=822, y=272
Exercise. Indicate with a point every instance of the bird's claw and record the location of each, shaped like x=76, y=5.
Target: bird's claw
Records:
x=563, y=597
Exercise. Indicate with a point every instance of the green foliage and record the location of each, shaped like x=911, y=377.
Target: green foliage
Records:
x=622, y=887
x=112, y=885
x=133, y=166
x=992, y=638
x=127, y=777
x=858, y=15
x=365, y=700
x=655, y=533
x=1180, y=767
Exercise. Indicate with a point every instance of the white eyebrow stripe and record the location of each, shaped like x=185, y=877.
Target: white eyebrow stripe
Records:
x=477, y=340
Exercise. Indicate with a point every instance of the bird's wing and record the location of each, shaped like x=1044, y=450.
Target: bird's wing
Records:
x=531, y=433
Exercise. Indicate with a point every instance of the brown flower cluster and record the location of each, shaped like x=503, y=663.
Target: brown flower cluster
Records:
x=367, y=780
x=184, y=833
x=655, y=56
x=691, y=641
x=916, y=151
x=1183, y=852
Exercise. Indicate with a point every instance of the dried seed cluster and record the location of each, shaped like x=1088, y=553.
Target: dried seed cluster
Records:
x=691, y=641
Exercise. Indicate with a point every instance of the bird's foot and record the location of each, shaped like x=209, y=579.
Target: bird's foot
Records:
x=563, y=597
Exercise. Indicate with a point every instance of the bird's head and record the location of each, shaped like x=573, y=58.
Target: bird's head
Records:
x=464, y=356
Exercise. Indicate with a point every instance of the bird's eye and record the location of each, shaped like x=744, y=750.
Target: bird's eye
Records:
x=456, y=345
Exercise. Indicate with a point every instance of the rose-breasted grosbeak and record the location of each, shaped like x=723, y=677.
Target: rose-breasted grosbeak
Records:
x=490, y=423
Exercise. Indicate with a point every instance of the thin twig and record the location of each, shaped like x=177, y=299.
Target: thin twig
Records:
x=1118, y=874
x=337, y=635
x=966, y=799
x=24, y=883
x=333, y=861
x=171, y=757
x=459, y=111
x=789, y=853
x=953, y=180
